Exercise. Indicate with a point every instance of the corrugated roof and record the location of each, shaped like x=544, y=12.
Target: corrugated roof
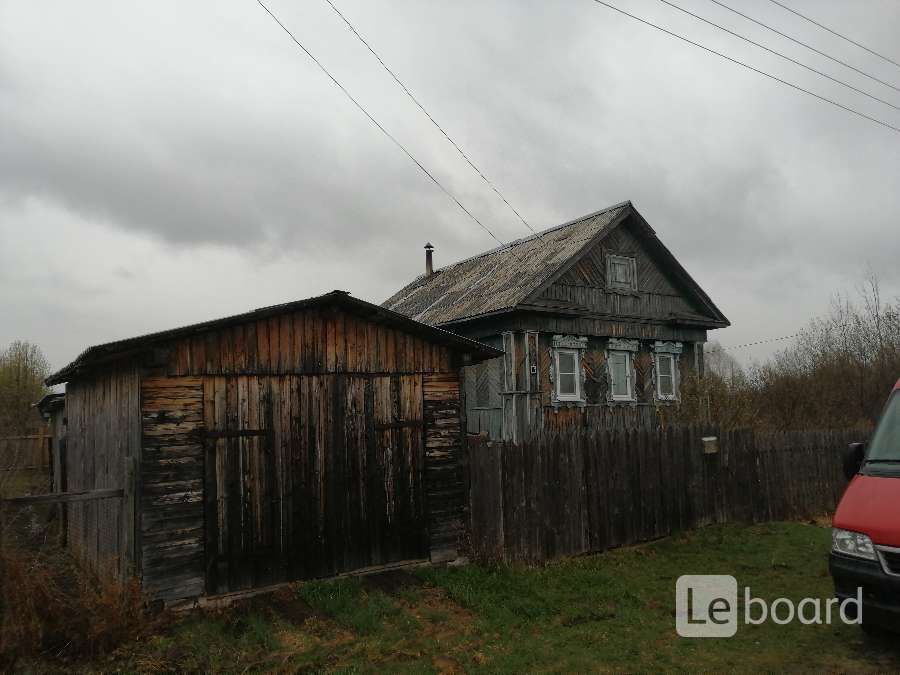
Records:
x=112, y=350
x=500, y=279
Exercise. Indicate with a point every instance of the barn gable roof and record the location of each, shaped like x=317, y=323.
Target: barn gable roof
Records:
x=512, y=276
x=110, y=351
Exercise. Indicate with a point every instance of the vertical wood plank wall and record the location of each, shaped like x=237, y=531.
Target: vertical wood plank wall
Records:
x=104, y=437
x=298, y=446
x=311, y=475
x=580, y=490
x=309, y=341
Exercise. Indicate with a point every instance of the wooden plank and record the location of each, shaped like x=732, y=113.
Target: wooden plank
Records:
x=65, y=497
x=263, y=350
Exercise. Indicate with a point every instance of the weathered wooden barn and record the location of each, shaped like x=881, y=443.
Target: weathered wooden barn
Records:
x=296, y=441
x=598, y=321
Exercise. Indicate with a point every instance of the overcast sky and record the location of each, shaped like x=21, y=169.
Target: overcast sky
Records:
x=169, y=162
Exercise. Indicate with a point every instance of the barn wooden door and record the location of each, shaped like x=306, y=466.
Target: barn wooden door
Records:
x=312, y=475
x=242, y=501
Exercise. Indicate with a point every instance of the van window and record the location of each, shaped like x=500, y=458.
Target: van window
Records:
x=885, y=443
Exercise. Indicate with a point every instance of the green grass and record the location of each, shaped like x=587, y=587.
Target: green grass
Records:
x=616, y=610
x=610, y=612
x=351, y=606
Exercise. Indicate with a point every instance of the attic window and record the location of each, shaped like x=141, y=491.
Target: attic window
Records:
x=621, y=273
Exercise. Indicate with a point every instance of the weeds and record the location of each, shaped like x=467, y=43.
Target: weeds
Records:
x=53, y=609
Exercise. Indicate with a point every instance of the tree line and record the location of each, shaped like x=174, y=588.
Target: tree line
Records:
x=837, y=373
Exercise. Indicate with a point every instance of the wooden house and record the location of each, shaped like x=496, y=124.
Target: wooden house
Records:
x=296, y=441
x=597, y=319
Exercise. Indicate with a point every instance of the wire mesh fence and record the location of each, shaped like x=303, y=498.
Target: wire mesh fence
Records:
x=25, y=467
x=86, y=528
x=63, y=590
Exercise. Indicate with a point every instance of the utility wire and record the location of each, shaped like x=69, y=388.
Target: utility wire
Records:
x=834, y=32
x=383, y=130
x=749, y=67
x=720, y=348
x=750, y=344
x=804, y=44
x=779, y=54
x=430, y=117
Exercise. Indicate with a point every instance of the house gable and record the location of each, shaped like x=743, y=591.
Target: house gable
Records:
x=561, y=270
x=658, y=294
x=663, y=291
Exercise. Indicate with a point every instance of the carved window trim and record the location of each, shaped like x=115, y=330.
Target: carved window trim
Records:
x=667, y=350
x=630, y=375
x=576, y=345
x=630, y=262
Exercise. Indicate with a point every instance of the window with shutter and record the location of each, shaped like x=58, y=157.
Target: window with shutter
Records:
x=621, y=273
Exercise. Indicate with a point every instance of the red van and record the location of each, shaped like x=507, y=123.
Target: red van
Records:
x=865, y=550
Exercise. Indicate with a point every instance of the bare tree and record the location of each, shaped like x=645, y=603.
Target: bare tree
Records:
x=719, y=361
x=840, y=369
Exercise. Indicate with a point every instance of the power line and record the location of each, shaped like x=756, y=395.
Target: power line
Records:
x=834, y=32
x=381, y=128
x=779, y=54
x=804, y=44
x=720, y=348
x=430, y=117
x=749, y=67
x=751, y=344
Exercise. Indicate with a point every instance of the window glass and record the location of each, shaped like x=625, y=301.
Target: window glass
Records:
x=665, y=375
x=567, y=384
x=619, y=369
x=885, y=443
x=567, y=365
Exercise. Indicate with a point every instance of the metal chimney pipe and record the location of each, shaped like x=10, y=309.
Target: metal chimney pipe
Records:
x=429, y=266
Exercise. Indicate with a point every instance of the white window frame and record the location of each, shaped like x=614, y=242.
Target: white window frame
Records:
x=612, y=259
x=576, y=355
x=674, y=376
x=629, y=375
x=672, y=350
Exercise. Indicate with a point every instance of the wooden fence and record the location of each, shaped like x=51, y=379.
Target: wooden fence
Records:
x=589, y=490
x=24, y=452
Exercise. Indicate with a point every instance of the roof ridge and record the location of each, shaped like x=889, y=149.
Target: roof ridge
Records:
x=532, y=237
x=343, y=298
